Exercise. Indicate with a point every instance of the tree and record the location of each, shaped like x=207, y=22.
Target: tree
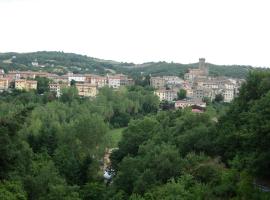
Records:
x=72, y=82
x=42, y=85
x=12, y=190
x=181, y=94
x=69, y=94
x=219, y=98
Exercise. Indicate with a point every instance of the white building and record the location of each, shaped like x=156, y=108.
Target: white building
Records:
x=76, y=77
x=114, y=81
x=189, y=102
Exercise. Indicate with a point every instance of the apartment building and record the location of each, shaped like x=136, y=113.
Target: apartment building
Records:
x=114, y=81
x=76, y=77
x=58, y=87
x=157, y=82
x=2, y=73
x=4, y=84
x=168, y=95
x=86, y=89
x=23, y=84
x=189, y=102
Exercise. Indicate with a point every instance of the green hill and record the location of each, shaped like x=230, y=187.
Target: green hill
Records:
x=164, y=68
x=56, y=62
x=60, y=62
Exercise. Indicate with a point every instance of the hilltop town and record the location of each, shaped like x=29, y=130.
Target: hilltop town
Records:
x=197, y=85
x=86, y=84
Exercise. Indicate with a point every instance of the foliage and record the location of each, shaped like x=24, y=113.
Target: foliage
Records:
x=53, y=148
x=181, y=94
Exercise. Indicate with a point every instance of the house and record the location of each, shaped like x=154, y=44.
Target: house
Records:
x=173, y=80
x=99, y=81
x=58, y=79
x=76, y=77
x=86, y=89
x=114, y=81
x=23, y=84
x=157, y=82
x=189, y=102
x=58, y=87
x=4, y=84
x=22, y=74
x=125, y=81
x=168, y=95
x=2, y=73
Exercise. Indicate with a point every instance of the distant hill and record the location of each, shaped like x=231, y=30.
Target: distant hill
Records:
x=164, y=68
x=56, y=62
x=61, y=63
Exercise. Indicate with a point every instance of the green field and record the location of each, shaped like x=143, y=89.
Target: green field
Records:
x=113, y=137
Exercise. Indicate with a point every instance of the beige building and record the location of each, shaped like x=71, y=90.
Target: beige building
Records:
x=86, y=89
x=168, y=95
x=23, y=84
x=3, y=84
x=157, y=82
x=114, y=81
x=99, y=81
x=57, y=88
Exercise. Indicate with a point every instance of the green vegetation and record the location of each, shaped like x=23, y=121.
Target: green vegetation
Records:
x=53, y=148
x=164, y=68
x=61, y=63
x=56, y=62
x=113, y=137
x=181, y=155
x=181, y=94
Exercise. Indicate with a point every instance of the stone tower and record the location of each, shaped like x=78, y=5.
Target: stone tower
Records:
x=203, y=66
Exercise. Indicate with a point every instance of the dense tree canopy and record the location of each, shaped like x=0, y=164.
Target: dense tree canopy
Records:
x=52, y=148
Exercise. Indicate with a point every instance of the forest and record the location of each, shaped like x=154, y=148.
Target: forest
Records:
x=52, y=148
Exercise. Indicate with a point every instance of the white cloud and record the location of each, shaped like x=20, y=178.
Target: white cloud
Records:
x=225, y=31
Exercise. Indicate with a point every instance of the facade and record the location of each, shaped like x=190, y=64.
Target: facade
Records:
x=57, y=88
x=99, y=81
x=76, y=77
x=157, y=82
x=189, y=102
x=4, y=84
x=23, y=84
x=86, y=89
x=114, y=81
x=168, y=95
x=125, y=81
x=2, y=73
x=201, y=71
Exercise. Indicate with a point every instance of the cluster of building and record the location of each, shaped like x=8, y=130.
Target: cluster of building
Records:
x=198, y=85
x=86, y=84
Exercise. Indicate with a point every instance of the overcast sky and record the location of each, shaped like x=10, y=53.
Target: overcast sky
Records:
x=222, y=31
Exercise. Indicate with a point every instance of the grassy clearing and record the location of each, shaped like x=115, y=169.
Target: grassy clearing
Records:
x=113, y=136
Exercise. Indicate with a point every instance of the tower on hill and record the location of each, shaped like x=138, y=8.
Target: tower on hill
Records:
x=203, y=66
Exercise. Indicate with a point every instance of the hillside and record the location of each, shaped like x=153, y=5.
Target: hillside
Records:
x=57, y=148
x=60, y=62
x=55, y=62
x=164, y=68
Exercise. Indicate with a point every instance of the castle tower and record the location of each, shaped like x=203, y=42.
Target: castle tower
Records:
x=203, y=66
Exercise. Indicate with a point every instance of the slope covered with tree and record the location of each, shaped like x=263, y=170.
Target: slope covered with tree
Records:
x=60, y=62
x=180, y=155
